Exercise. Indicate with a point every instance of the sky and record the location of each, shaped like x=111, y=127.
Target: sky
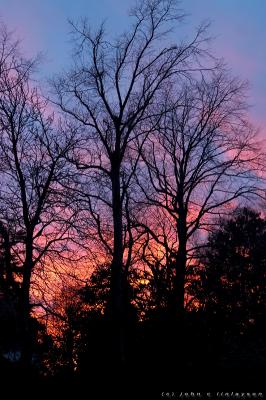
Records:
x=238, y=27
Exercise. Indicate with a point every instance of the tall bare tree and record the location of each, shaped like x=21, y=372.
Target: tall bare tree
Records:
x=201, y=160
x=32, y=167
x=111, y=92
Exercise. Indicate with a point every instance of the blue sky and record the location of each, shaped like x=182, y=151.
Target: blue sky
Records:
x=238, y=25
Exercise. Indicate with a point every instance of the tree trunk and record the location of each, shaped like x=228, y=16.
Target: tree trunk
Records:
x=179, y=288
x=118, y=306
x=6, y=270
x=180, y=277
x=178, y=295
x=26, y=350
x=9, y=275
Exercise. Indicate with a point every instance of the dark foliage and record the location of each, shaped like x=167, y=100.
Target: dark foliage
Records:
x=230, y=287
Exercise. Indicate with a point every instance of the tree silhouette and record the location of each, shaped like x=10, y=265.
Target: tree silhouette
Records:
x=84, y=324
x=111, y=93
x=9, y=297
x=201, y=158
x=230, y=285
x=32, y=165
x=107, y=194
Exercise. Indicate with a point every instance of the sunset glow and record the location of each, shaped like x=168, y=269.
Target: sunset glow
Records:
x=132, y=197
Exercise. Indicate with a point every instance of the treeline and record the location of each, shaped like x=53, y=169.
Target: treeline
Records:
x=116, y=189
x=223, y=327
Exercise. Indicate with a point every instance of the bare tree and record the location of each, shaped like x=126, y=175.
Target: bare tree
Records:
x=201, y=160
x=111, y=92
x=32, y=166
x=11, y=60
